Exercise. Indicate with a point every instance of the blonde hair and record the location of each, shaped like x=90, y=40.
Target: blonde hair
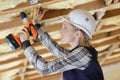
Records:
x=84, y=39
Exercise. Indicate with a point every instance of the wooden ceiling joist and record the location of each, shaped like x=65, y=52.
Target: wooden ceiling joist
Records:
x=4, y=57
x=112, y=13
x=27, y=5
x=2, y=41
x=106, y=34
x=101, y=36
x=103, y=56
x=112, y=61
x=109, y=52
x=11, y=24
x=114, y=55
x=115, y=40
x=20, y=57
x=20, y=63
x=52, y=13
x=108, y=28
x=20, y=66
x=88, y=6
x=28, y=72
x=107, y=13
x=58, y=75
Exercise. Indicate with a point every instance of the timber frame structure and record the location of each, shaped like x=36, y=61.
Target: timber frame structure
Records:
x=106, y=39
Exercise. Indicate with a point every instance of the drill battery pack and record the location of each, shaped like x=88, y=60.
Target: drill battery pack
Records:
x=13, y=41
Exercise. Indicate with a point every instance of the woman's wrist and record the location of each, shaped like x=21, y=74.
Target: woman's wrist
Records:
x=37, y=26
x=26, y=44
x=35, y=21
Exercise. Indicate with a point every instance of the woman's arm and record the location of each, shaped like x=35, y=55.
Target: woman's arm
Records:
x=51, y=45
x=44, y=37
x=79, y=58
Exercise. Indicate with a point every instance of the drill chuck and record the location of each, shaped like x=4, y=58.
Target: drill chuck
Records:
x=24, y=17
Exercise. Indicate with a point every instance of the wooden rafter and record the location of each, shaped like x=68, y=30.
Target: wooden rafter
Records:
x=107, y=34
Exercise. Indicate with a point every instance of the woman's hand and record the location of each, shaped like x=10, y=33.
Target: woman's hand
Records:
x=24, y=35
x=39, y=15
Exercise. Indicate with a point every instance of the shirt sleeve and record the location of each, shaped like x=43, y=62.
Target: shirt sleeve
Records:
x=78, y=58
x=51, y=45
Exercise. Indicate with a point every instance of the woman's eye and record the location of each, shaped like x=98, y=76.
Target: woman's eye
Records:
x=65, y=27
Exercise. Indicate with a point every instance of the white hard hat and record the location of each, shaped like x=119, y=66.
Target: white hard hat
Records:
x=83, y=20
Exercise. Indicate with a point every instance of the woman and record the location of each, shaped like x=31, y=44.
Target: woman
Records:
x=79, y=63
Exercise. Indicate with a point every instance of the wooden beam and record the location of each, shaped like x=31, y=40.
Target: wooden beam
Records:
x=107, y=42
x=106, y=46
x=27, y=72
x=103, y=37
x=11, y=54
x=109, y=52
x=106, y=35
x=19, y=51
x=48, y=58
x=88, y=6
x=108, y=2
x=116, y=1
x=2, y=41
x=105, y=29
x=114, y=6
x=52, y=13
x=20, y=57
x=17, y=22
x=17, y=78
x=99, y=26
x=114, y=51
x=30, y=72
x=49, y=77
x=112, y=13
x=52, y=28
x=113, y=56
x=99, y=36
x=117, y=50
x=24, y=69
x=100, y=13
x=112, y=61
x=115, y=20
x=57, y=27
x=12, y=68
x=27, y=5
x=38, y=46
x=49, y=14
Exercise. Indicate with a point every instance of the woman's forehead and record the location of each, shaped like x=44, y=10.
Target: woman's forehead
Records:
x=65, y=22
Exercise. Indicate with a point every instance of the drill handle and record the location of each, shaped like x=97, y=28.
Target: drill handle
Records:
x=34, y=32
x=31, y=29
x=27, y=25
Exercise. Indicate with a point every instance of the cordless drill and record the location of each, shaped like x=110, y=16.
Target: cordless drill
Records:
x=14, y=41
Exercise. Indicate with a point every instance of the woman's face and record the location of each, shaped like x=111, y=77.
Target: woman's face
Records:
x=67, y=32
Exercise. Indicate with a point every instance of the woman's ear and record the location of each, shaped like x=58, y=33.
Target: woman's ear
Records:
x=78, y=34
